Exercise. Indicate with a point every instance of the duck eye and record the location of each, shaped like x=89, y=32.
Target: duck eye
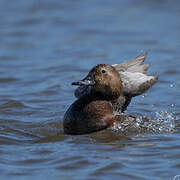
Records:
x=103, y=71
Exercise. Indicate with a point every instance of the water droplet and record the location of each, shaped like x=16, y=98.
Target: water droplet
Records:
x=144, y=95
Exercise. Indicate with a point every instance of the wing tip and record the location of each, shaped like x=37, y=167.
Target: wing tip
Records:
x=142, y=56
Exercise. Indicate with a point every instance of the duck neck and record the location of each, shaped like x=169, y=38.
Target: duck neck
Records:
x=109, y=96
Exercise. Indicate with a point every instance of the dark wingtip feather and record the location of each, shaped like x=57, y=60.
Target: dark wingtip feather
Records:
x=142, y=57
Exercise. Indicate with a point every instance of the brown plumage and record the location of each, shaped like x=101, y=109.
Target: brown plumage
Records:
x=106, y=92
x=135, y=81
x=94, y=111
x=88, y=114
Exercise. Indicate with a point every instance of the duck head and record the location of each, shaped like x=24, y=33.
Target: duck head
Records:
x=103, y=79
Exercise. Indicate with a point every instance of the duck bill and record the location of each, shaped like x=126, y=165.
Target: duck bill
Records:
x=88, y=81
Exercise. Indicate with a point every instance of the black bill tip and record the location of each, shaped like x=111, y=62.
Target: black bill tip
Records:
x=78, y=83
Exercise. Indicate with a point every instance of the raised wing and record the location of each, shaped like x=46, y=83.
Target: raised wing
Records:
x=134, y=76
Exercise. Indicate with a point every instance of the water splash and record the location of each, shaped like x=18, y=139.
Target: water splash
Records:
x=163, y=122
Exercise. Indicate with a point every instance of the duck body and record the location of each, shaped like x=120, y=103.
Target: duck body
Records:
x=94, y=111
x=104, y=94
x=88, y=114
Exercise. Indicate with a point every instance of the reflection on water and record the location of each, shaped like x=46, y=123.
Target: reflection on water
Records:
x=45, y=45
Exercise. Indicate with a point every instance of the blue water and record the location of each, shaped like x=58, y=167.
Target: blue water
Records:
x=44, y=46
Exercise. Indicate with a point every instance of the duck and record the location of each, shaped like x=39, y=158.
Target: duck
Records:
x=104, y=95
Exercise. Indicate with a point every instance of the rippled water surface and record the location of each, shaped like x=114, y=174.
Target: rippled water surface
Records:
x=44, y=46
